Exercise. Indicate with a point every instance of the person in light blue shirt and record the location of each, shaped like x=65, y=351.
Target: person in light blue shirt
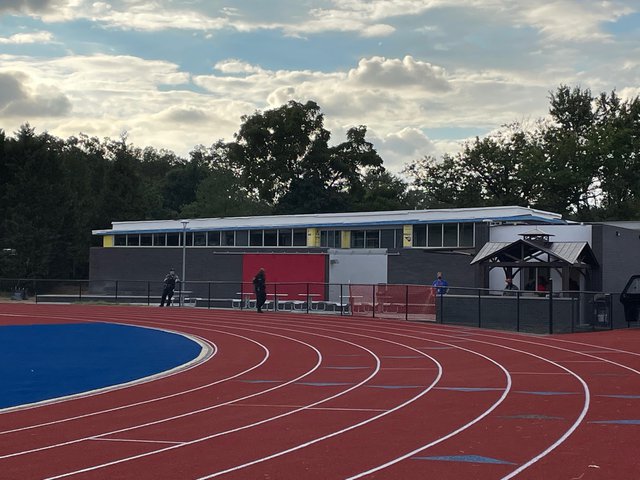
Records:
x=442, y=286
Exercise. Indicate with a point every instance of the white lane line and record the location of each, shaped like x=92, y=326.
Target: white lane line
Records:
x=521, y=339
x=244, y=427
x=132, y=440
x=539, y=373
x=328, y=409
x=567, y=433
x=339, y=432
x=144, y=402
x=377, y=417
x=187, y=413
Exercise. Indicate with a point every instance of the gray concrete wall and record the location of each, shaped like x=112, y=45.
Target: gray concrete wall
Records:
x=133, y=267
x=619, y=250
x=419, y=267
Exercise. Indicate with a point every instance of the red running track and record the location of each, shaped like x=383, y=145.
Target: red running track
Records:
x=293, y=396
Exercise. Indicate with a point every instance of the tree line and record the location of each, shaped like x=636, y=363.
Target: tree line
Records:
x=582, y=162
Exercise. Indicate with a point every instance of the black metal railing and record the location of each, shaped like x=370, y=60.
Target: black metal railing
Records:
x=519, y=310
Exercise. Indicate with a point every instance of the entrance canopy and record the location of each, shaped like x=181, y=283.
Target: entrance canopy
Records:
x=535, y=251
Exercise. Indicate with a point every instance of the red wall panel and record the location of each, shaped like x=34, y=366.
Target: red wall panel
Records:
x=293, y=270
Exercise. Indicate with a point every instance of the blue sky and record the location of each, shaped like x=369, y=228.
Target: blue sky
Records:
x=424, y=76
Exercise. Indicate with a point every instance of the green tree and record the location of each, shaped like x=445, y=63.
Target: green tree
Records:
x=382, y=191
x=221, y=193
x=616, y=145
x=283, y=155
x=35, y=202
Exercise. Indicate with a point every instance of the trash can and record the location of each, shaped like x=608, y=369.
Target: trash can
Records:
x=600, y=309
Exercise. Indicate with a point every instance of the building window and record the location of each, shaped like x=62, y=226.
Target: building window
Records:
x=357, y=239
x=255, y=238
x=399, y=238
x=213, y=239
x=388, y=238
x=120, y=241
x=450, y=236
x=199, y=239
x=146, y=240
x=270, y=238
x=173, y=239
x=159, y=239
x=466, y=235
x=299, y=237
x=189, y=238
x=284, y=237
x=242, y=238
x=330, y=238
x=133, y=240
x=372, y=238
x=419, y=235
x=434, y=235
x=228, y=238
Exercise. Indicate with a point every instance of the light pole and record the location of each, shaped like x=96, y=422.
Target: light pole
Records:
x=184, y=256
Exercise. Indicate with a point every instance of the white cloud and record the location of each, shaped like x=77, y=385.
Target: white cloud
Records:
x=21, y=98
x=572, y=19
x=558, y=20
x=25, y=38
x=395, y=73
x=496, y=69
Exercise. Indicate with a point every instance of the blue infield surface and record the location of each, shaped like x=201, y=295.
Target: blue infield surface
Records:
x=41, y=362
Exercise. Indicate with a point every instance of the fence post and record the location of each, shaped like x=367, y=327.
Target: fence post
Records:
x=517, y=310
x=116, y=299
x=208, y=295
x=341, y=301
x=373, y=302
x=406, y=303
x=550, y=306
x=275, y=297
x=609, y=297
x=307, y=297
x=80, y=291
x=241, y=295
x=479, y=308
x=148, y=293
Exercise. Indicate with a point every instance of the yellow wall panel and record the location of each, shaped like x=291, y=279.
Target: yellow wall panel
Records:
x=407, y=236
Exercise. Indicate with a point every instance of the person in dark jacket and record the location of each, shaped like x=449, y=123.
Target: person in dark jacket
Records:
x=260, y=286
x=509, y=287
x=169, y=286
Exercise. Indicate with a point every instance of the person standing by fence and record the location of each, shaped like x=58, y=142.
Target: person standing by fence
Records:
x=260, y=287
x=509, y=287
x=168, y=288
x=441, y=285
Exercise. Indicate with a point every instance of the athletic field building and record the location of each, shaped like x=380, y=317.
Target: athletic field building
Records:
x=473, y=247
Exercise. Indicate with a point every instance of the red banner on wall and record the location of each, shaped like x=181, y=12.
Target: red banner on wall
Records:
x=293, y=272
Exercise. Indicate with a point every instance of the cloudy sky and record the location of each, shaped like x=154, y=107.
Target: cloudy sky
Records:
x=422, y=75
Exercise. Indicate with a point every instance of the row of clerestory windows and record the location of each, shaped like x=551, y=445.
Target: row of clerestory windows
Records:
x=431, y=235
x=287, y=237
